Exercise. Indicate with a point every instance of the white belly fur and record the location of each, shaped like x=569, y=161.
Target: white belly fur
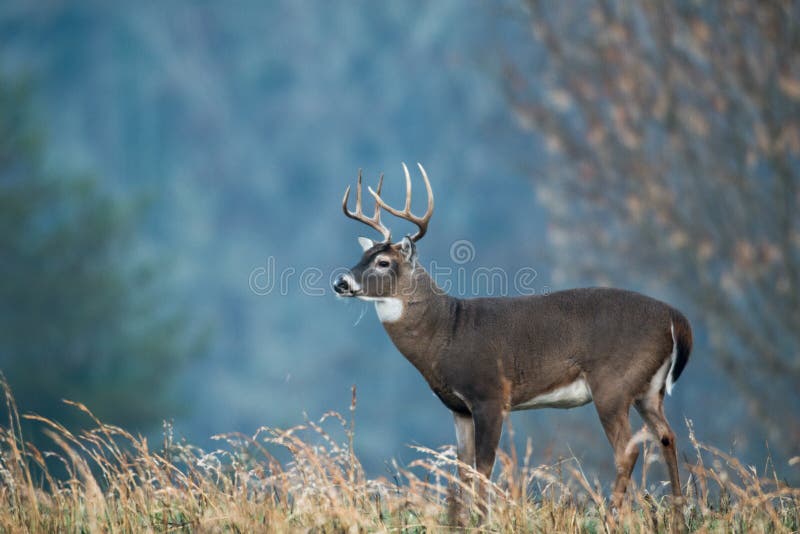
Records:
x=574, y=394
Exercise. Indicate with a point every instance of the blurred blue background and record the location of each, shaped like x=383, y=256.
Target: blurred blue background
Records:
x=225, y=134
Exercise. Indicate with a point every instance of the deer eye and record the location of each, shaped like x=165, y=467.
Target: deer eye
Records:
x=383, y=263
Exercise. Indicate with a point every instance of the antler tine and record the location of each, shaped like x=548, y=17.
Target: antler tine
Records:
x=408, y=188
x=377, y=214
x=429, y=191
x=358, y=215
x=421, y=222
x=358, y=194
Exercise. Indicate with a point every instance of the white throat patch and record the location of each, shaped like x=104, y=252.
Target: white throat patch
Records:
x=389, y=309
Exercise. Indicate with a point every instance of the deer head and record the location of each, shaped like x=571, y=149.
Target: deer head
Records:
x=386, y=270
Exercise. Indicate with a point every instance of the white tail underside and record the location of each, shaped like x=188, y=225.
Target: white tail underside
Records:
x=673, y=358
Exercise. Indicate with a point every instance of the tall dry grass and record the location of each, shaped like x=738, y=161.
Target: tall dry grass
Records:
x=117, y=482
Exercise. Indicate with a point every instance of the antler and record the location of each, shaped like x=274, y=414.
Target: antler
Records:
x=421, y=222
x=358, y=215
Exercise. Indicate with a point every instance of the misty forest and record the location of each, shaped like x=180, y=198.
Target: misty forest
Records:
x=174, y=357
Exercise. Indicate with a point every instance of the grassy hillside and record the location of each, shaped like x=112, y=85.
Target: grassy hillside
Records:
x=308, y=478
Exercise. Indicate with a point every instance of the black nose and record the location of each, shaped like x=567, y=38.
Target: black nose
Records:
x=341, y=285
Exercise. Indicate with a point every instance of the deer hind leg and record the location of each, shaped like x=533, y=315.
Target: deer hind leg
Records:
x=651, y=408
x=613, y=412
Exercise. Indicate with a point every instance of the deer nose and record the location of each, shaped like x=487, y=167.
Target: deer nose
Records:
x=341, y=285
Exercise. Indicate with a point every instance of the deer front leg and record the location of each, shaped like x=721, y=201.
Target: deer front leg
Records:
x=465, y=442
x=488, y=420
x=465, y=447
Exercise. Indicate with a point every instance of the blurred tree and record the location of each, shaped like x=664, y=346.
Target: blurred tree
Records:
x=673, y=134
x=78, y=318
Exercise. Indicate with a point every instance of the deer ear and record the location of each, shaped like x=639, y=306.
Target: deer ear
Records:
x=366, y=243
x=408, y=249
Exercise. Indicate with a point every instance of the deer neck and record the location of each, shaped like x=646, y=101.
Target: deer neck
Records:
x=415, y=320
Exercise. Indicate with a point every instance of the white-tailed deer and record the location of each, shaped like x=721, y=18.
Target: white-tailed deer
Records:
x=485, y=356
